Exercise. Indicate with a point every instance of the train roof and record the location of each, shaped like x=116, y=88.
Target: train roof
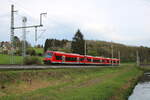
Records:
x=65, y=53
x=82, y=55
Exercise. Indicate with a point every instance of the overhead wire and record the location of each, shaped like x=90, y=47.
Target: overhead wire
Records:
x=22, y=8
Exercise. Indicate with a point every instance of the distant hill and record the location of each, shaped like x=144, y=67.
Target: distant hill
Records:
x=128, y=53
x=103, y=48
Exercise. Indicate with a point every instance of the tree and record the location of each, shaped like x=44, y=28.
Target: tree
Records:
x=46, y=45
x=16, y=42
x=31, y=52
x=77, y=44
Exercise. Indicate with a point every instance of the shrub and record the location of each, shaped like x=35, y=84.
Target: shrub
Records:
x=18, y=52
x=39, y=54
x=30, y=60
x=31, y=52
x=5, y=52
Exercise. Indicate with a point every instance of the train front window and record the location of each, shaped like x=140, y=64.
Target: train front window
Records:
x=49, y=55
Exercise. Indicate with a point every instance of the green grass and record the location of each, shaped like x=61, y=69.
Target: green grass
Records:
x=69, y=83
x=38, y=50
x=6, y=59
x=145, y=68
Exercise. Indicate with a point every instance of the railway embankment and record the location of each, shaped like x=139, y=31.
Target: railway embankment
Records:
x=98, y=83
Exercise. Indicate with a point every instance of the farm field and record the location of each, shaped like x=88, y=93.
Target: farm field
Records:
x=69, y=83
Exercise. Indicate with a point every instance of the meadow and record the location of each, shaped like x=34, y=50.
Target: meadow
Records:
x=104, y=83
x=6, y=59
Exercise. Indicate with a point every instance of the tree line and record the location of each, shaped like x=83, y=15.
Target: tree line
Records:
x=98, y=48
x=93, y=48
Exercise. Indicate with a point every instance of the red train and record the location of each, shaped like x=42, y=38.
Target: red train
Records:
x=54, y=57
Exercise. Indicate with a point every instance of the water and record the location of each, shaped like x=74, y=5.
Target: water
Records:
x=142, y=89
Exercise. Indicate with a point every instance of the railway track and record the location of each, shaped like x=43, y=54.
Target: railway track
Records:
x=48, y=66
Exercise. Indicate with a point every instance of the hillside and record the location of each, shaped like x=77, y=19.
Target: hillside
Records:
x=102, y=48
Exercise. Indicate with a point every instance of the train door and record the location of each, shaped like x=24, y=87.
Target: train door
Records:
x=63, y=59
x=78, y=60
x=101, y=60
x=85, y=60
x=92, y=60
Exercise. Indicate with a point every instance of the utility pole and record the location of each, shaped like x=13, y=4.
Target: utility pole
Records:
x=35, y=36
x=12, y=34
x=84, y=47
x=24, y=20
x=112, y=52
x=137, y=58
x=119, y=56
x=53, y=44
x=41, y=18
x=24, y=32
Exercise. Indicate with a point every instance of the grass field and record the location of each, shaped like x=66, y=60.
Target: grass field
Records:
x=145, y=68
x=38, y=50
x=6, y=59
x=69, y=83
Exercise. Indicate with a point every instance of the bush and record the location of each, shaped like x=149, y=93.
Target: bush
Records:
x=5, y=52
x=31, y=52
x=18, y=52
x=40, y=54
x=30, y=60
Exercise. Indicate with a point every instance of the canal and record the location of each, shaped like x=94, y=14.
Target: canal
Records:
x=142, y=89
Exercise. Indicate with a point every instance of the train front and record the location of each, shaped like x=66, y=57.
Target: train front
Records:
x=48, y=57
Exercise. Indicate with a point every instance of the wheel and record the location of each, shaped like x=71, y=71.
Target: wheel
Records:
x=47, y=62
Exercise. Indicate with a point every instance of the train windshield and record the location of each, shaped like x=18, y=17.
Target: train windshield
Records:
x=49, y=55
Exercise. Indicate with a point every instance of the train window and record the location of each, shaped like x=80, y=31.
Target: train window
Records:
x=58, y=57
x=116, y=62
x=103, y=60
x=49, y=55
x=107, y=61
x=96, y=60
x=81, y=59
x=88, y=59
x=71, y=59
x=111, y=61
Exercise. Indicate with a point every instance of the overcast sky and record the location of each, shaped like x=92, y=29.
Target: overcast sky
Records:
x=122, y=21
